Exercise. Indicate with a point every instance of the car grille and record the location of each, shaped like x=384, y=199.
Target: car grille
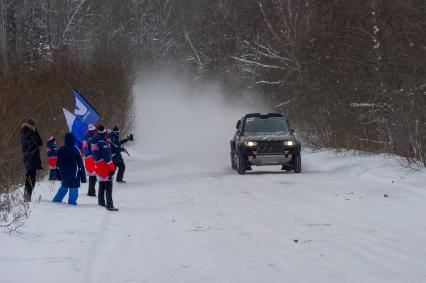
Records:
x=266, y=147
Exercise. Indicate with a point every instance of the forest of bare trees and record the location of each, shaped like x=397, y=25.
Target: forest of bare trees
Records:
x=348, y=74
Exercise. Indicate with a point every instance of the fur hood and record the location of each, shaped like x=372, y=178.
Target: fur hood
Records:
x=26, y=125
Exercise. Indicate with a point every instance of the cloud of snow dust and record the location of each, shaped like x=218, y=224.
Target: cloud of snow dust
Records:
x=185, y=124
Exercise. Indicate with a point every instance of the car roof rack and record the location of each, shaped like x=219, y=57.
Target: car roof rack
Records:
x=252, y=115
x=263, y=115
x=275, y=114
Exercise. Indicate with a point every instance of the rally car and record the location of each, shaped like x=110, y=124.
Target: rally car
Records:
x=265, y=139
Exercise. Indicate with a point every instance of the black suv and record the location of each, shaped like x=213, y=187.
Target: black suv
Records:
x=265, y=139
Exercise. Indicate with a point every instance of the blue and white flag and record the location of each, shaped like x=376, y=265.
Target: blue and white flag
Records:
x=83, y=110
x=76, y=127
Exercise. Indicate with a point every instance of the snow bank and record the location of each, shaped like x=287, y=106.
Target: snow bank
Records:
x=370, y=167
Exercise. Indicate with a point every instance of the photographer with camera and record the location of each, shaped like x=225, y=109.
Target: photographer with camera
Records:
x=116, y=149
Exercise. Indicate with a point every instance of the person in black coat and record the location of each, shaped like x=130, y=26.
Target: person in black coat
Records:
x=30, y=144
x=116, y=150
x=71, y=169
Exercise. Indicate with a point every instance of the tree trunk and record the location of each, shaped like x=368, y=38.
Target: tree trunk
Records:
x=3, y=46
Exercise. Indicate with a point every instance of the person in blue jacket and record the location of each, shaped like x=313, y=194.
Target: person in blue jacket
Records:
x=52, y=158
x=71, y=170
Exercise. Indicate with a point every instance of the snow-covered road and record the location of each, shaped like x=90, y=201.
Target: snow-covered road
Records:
x=183, y=223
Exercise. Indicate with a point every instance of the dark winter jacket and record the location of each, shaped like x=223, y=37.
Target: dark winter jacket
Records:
x=87, y=142
x=30, y=143
x=70, y=164
x=101, y=153
x=117, y=147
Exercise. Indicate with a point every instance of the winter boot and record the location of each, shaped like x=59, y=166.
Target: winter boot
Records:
x=92, y=183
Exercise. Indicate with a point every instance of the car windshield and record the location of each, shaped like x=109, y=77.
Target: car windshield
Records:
x=271, y=125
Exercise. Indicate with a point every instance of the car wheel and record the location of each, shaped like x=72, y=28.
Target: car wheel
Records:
x=241, y=168
x=298, y=164
x=233, y=164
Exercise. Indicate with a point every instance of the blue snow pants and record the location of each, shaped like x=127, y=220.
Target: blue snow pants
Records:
x=72, y=198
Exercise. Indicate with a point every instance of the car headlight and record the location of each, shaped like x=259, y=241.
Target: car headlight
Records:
x=250, y=143
x=289, y=143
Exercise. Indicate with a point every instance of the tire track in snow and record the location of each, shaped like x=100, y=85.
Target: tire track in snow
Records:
x=95, y=251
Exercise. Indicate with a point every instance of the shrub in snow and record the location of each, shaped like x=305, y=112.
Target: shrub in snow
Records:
x=13, y=209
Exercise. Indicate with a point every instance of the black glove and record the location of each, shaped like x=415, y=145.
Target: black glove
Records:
x=58, y=174
x=111, y=174
x=130, y=137
x=82, y=177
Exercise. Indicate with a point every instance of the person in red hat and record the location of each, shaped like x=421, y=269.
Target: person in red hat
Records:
x=52, y=158
x=104, y=167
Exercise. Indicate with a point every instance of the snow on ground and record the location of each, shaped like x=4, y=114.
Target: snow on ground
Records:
x=183, y=223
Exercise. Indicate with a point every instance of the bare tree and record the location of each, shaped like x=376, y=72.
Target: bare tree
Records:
x=3, y=46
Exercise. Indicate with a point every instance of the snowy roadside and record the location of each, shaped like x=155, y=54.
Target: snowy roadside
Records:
x=345, y=219
x=389, y=169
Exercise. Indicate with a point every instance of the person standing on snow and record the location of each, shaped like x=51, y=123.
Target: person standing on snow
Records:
x=104, y=167
x=30, y=144
x=71, y=169
x=89, y=162
x=52, y=158
x=116, y=149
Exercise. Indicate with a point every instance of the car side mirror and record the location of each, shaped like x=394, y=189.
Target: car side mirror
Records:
x=292, y=131
x=238, y=124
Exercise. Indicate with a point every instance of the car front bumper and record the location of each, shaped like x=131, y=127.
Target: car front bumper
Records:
x=269, y=159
